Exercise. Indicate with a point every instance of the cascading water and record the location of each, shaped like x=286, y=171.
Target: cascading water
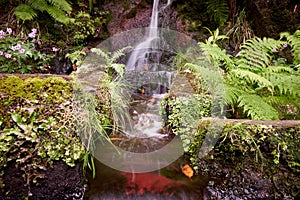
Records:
x=145, y=70
x=139, y=58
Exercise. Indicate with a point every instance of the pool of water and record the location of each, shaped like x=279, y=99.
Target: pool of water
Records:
x=147, y=135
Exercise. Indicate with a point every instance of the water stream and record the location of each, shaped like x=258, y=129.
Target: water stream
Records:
x=139, y=59
x=152, y=79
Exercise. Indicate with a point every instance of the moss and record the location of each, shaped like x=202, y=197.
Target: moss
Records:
x=268, y=152
x=265, y=145
x=37, y=124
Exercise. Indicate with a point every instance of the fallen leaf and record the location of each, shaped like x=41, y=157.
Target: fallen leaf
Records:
x=114, y=139
x=187, y=170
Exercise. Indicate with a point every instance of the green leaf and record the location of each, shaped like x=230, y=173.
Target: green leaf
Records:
x=119, y=68
x=25, y=12
x=253, y=78
x=17, y=118
x=257, y=108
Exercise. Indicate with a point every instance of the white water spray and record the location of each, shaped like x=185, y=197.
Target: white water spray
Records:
x=138, y=59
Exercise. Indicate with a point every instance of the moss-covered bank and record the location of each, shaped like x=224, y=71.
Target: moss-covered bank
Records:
x=36, y=134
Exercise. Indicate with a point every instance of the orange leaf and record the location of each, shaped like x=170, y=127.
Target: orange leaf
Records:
x=113, y=139
x=187, y=170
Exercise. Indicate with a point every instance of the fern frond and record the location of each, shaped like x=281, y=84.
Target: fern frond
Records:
x=40, y=5
x=25, y=12
x=232, y=94
x=211, y=78
x=61, y=5
x=119, y=68
x=256, y=108
x=279, y=69
x=118, y=53
x=58, y=14
x=217, y=55
x=294, y=42
x=256, y=53
x=218, y=10
x=287, y=84
x=101, y=53
x=253, y=78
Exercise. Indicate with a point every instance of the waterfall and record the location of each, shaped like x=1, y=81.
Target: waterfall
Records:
x=138, y=59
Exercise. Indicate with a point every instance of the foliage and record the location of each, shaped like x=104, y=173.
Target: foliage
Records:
x=269, y=149
x=115, y=86
x=253, y=76
x=85, y=26
x=240, y=31
x=294, y=42
x=55, y=8
x=77, y=57
x=218, y=11
x=18, y=53
x=112, y=68
x=182, y=113
x=37, y=125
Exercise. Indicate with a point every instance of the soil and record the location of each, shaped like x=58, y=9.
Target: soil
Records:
x=59, y=182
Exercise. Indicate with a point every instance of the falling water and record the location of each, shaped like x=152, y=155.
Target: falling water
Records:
x=139, y=59
x=143, y=71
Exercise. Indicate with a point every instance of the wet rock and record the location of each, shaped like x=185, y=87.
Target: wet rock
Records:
x=137, y=14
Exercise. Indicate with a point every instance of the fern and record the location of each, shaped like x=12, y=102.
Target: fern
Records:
x=218, y=10
x=232, y=94
x=40, y=5
x=55, y=8
x=287, y=84
x=256, y=108
x=58, y=14
x=253, y=78
x=280, y=69
x=62, y=5
x=118, y=53
x=110, y=59
x=217, y=55
x=252, y=105
x=212, y=83
x=25, y=12
x=294, y=42
x=256, y=53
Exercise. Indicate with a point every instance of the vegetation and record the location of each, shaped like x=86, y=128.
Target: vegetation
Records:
x=43, y=122
x=55, y=8
x=219, y=11
x=18, y=54
x=37, y=125
x=257, y=78
x=267, y=150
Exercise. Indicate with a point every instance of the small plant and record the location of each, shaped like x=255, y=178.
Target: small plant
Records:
x=85, y=27
x=76, y=57
x=112, y=68
x=18, y=54
x=240, y=31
